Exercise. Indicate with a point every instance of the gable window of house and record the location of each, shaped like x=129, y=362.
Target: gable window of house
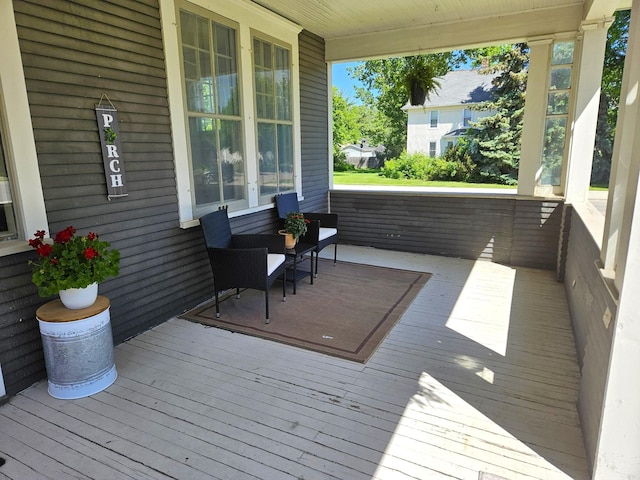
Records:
x=432, y=149
x=272, y=72
x=433, y=119
x=234, y=92
x=466, y=117
x=558, y=105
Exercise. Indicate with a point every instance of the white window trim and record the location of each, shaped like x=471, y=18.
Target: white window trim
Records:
x=248, y=17
x=18, y=139
x=437, y=112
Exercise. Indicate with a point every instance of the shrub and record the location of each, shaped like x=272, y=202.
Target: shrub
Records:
x=340, y=163
x=422, y=167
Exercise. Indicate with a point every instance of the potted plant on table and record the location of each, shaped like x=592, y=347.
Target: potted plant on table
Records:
x=295, y=225
x=72, y=266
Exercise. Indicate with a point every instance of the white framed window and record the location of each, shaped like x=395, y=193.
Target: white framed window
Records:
x=21, y=190
x=272, y=79
x=433, y=119
x=212, y=97
x=467, y=116
x=217, y=128
x=432, y=149
x=557, y=115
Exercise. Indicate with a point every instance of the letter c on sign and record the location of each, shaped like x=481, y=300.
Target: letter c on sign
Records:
x=114, y=165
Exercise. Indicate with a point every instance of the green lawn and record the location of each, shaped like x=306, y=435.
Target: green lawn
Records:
x=369, y=177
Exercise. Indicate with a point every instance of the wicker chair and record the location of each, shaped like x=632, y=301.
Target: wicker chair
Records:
x=242, y=261
x=325, y=234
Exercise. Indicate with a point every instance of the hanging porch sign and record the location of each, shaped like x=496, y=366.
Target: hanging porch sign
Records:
x=107, y=117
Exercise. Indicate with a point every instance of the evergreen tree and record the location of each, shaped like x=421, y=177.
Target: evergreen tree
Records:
x=495, y=140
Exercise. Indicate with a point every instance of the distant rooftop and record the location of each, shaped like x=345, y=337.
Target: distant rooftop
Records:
x=459, y=87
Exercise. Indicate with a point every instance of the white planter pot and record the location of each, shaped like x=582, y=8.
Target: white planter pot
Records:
x=77, y=298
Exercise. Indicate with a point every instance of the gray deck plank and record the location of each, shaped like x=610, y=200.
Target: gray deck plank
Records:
x=479, y=375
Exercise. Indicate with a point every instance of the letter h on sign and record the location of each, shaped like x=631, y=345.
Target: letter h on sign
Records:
x=111, y=151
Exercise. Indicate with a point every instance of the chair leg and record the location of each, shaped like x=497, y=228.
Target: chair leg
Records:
x=284, y=285
x=237, y=293
x=217, y=306
x=317, y=255
x=266, y=305
x=335, y=253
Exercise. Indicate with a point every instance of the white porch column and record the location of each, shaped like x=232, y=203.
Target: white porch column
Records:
x=534, y=114
x=626, y=127
x=618, y=449
x=587, y=101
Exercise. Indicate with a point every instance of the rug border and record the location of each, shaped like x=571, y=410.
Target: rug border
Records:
x=419, y=282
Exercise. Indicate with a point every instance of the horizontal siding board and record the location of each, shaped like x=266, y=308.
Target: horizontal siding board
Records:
x=504, y=230
x=588, y=300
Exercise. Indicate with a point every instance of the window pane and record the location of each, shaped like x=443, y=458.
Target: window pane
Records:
x=433, y=119
x=204, y=160
x=466, y=117
x=285, y=157
x=558, y=103
x=226, y=70
x=197, y=62
x=562, y=53
x=232, y=160
x=432, y=149
x=554, y=137
x=7, y=218
x=267, y=158
x=283, y=78
x=264, y=79
x=560, y=78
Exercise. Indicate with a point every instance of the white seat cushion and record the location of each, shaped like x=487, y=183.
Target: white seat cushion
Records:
x=327, y=232
x=274, y=260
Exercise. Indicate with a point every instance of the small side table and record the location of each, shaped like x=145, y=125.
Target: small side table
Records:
x=78, y=348
x=295, y=255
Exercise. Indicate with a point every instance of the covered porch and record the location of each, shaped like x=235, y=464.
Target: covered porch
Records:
x=478, y=380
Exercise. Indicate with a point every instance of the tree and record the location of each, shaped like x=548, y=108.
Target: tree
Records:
x=495, y=140
x=614, y=56
x=346, y=126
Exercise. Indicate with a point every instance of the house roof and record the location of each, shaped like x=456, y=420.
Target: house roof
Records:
x=459, y=87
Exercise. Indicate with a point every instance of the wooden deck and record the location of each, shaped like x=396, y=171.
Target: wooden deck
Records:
x=480, y=375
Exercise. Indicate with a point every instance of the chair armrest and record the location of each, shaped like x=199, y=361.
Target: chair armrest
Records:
x=232, y=266
x=274, y=243
x=326, y=219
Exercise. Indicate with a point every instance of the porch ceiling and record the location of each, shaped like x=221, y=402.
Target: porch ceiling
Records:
x=360, y=29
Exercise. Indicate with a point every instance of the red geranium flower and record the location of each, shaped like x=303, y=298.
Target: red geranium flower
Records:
x=92, y=236
x=44, y=249
x=65, y=235
x=90, y=253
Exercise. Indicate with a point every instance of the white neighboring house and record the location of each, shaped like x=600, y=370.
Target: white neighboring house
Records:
x=363, y=155
x=445, y=117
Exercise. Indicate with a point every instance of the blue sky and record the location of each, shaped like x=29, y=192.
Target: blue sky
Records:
x=342, y=80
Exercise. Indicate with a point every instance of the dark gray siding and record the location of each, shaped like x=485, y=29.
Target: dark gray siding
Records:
x=505, y=230
x=315, y=123
x=588, y=299
x=73, y=52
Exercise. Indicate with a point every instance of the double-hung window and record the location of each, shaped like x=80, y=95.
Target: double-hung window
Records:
x=467, y=115
x=433, y=119
x=211, y=85
x=272, y=72
x=234, y=91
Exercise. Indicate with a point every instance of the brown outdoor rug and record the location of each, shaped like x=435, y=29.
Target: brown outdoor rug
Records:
x=347, y=312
